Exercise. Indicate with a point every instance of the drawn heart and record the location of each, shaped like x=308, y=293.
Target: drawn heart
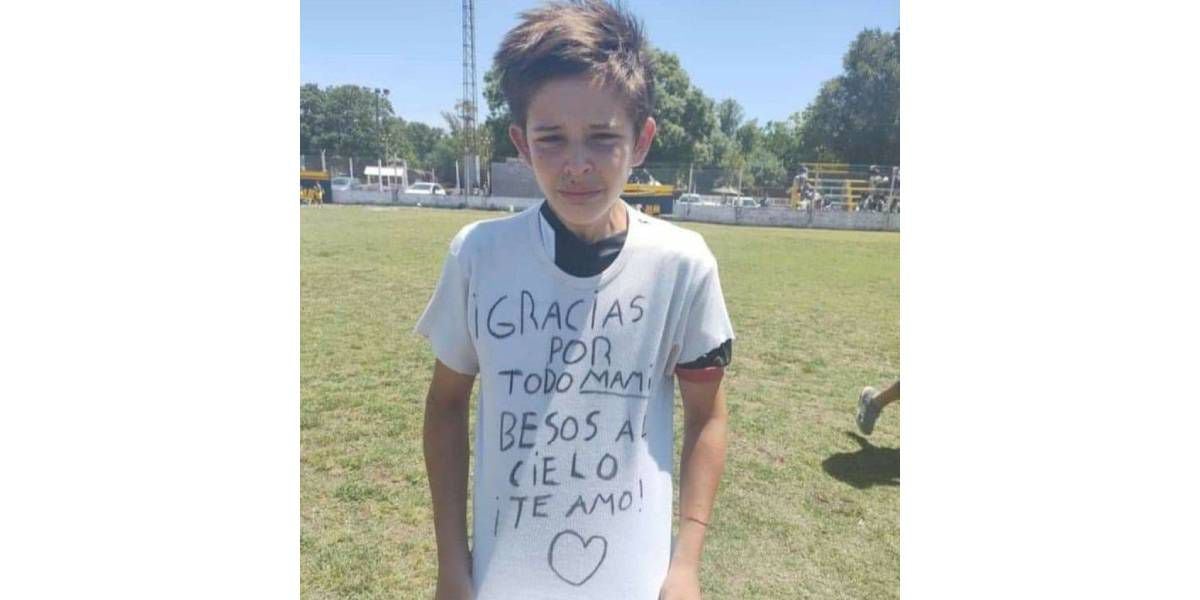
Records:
x=571, y=560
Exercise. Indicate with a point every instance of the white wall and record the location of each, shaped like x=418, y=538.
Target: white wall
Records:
x=777, y=216
x=401, y=199
x=773, y=216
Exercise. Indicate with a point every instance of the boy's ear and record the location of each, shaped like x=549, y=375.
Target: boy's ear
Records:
x=517, y=135
x=641, y=146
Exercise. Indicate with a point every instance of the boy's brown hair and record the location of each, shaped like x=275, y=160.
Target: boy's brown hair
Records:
x=564, y=39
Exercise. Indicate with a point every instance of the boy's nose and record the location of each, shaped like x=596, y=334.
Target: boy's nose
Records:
x=578, y=169
x=577, y=164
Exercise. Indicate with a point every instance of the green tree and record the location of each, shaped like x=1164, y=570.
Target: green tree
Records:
x=782, y=139
x=723, y=150
x=496, y=124
x=399, y=142
x=423, y=139
x=749, y=137
x=729, y=116
x=686, y=118
x=856, y=116
x=456, y=143
x=764, y=169
x=344, y=120
x=444, y=157
x=313, y=111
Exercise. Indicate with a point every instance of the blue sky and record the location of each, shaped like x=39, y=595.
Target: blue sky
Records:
x=771, y=56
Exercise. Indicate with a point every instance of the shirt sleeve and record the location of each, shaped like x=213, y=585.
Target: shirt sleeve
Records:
x=719, y=357
x=706, y=324
x=444, y=322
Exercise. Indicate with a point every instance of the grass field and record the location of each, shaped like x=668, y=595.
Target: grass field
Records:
x=807, y=508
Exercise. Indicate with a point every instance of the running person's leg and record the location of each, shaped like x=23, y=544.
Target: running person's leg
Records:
x=889, y=395
x=870, y=403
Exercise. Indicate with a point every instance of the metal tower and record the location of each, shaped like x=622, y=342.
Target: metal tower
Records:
x=468, y=112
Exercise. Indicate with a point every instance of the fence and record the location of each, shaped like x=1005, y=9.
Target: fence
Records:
x=819, y=186
x=824, y=186
x=810, y=185
x=823, y=195
x=780, y=216
x=396, y=197
x=368, y=173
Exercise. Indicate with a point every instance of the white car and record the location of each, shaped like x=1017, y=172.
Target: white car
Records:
x=698, y=200
x=344, y=183
x=426, y=188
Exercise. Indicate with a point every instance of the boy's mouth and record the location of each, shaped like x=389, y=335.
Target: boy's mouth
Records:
x=578, y=195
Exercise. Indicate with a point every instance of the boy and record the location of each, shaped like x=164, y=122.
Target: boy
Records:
x=577, y=314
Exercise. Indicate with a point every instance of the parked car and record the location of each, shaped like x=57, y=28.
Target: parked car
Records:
x=426, y=188
x=344, y=183
x=699, y=200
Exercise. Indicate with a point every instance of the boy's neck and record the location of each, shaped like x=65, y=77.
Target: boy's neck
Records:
x=613, y=222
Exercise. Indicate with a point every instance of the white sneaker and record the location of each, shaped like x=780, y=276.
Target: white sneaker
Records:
x=868, y=410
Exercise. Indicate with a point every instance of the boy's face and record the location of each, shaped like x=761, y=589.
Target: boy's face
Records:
x=579, y=140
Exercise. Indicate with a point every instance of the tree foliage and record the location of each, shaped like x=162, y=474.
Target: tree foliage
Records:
x=424, y=139
x=856, y=116
x=686, y=118
x=352, y=121
x=729, y=115
x=449, y=149
x=498, y=119
x=344, y=120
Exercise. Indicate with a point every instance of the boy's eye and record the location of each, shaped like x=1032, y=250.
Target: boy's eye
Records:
x=606, y=137
x=550, y=139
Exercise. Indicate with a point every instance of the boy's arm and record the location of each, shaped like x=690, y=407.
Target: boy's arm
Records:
x=701, y=465
x=447, y=407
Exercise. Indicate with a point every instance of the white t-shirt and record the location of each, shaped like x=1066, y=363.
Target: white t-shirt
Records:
x=574, y=439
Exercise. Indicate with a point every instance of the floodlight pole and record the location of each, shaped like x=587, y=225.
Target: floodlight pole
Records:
x=468, y=113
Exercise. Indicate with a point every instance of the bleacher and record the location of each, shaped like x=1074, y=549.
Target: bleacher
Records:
x=843, y=184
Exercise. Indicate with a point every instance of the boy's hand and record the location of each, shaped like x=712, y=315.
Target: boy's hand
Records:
x=682, y=583
x=454, y=588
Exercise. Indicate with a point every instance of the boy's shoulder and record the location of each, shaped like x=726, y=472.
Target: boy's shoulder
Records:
x=673, y=242
x=661, y=241
x=481, y=236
